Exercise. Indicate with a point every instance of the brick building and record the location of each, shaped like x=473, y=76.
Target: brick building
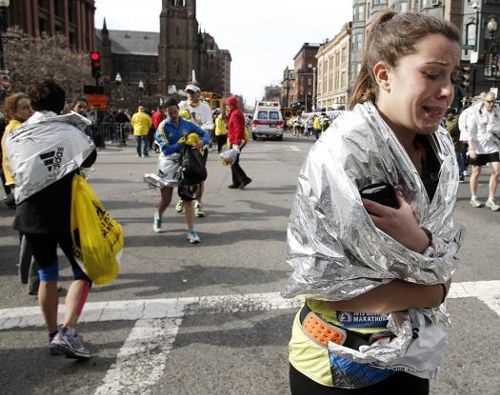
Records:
x=131, y=56
x=72, y=18
x=304, y=89
x=165, y=61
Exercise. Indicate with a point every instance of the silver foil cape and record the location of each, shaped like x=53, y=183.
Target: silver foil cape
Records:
x=46, y=148
x=335, y=249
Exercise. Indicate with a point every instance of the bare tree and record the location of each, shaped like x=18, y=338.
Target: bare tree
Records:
x=31, y=59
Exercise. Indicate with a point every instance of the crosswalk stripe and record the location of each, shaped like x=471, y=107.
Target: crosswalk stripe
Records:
x=141, y=361
x=22, y=317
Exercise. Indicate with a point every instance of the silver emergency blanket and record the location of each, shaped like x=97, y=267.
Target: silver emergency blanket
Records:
x=46, y=148
x=418, y=349
x=169, y=168
x=169, y=172
x=229, y=156
x=335, y=249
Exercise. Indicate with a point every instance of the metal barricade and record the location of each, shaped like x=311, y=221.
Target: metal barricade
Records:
x=112, y=133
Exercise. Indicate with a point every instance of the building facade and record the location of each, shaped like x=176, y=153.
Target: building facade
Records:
x=304, y=88
x=129, y=58
x=178, y=50
x=477, y=20
x=165, y=62
x=288, y=88
x=214, y=67
x=71, y=18
x=333, y=71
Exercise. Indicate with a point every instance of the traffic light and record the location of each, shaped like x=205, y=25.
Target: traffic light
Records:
x=95, y=61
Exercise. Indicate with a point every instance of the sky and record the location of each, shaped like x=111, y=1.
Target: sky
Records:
x=263, y=36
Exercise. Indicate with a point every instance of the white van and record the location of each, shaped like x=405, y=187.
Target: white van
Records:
x=267, y=120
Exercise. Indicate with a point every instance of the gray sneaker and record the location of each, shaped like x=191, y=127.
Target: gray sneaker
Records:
x=475, y=203
x=492, y=205
x=53, y=349
x=71, y=346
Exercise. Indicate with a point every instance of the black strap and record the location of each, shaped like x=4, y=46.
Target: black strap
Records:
x=353, y=340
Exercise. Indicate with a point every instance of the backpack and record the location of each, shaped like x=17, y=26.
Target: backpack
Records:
x=192, y=167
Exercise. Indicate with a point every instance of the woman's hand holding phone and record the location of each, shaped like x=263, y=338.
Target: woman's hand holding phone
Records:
x=398, y=223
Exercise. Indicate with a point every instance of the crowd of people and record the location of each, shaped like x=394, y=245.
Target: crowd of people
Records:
x=372, y=266
x=43, y=133
x=311, y=124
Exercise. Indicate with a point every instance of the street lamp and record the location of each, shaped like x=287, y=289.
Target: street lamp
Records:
x=492, y=26
x=492, y=56
x=118, y=79
x=314, y=90
x=141, y=90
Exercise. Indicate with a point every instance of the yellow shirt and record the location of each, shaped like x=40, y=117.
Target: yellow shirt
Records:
x=317, y=123
x=7, y=171
x=141, y=122
x=220, y=127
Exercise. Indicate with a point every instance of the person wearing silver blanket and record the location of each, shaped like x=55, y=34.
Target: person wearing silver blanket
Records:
x=371, y=236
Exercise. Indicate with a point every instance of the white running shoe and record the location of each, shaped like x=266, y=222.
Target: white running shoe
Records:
x=490, y=203
x=157, y=223
x=474, y=202
x=193, y=237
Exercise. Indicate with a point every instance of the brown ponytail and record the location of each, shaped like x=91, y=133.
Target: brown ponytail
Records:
x=392, y=36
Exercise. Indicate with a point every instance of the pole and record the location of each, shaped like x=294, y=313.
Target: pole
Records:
x=314, y=90
x=473, y=69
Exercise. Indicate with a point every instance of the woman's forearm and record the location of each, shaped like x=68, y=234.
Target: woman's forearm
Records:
x=394, y=296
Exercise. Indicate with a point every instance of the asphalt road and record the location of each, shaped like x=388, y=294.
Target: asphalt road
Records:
x=194, y=339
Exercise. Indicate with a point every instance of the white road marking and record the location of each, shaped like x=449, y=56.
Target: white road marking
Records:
x=141, y=360
x=131, y=310
x=294, y=148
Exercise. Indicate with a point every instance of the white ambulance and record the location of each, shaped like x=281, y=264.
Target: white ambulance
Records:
x=267, y=120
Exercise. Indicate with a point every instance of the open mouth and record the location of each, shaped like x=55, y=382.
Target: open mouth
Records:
x=433, y=112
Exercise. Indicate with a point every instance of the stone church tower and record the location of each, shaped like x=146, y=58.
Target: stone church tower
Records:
x=178, y=50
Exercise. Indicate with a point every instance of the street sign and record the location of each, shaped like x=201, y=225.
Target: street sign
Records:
x=468, y=47
x=99, y=102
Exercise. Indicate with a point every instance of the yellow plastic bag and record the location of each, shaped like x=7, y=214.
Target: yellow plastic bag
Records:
x=98, y=239
x=248, y=136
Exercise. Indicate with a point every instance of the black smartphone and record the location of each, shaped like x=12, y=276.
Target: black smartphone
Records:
x=381, y=193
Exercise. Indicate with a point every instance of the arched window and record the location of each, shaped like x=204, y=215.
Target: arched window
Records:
x=470, y=36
